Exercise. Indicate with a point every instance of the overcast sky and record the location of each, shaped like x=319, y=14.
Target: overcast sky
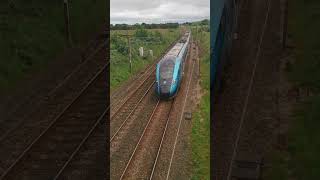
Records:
x=158, y=11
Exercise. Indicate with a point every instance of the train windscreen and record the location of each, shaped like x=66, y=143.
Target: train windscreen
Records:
x=166, y=68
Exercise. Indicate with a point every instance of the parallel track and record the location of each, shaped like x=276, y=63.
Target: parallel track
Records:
x=125, y=114
x=132, y=118
x=156, y=167
x=122, y=110
x=161, y=114
x=133, y=86
x=135, y=91
x=126, y=110
x=82, y=71
x=56, y=146
x=87, y=155
x=239, y=113
x=248, y=92
x=144, y=156
x=10, y=124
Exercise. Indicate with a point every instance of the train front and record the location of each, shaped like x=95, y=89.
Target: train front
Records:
x=166, y=82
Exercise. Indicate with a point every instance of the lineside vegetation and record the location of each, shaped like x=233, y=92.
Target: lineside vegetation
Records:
x=32, y=33
x=157, y=40
x=201, y=121
x=301, y=159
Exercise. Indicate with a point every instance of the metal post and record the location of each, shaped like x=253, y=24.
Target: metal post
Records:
x=197, y=32
x=199, y=64
x=130, y=56
x=129, y=44
x=67, y=21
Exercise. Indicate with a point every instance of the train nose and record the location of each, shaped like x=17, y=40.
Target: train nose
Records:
x=165, y=95
x=165, y=90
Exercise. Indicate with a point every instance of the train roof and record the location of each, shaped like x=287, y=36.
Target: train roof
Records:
x=184, y=38
x=175, y=50
x=168, y=58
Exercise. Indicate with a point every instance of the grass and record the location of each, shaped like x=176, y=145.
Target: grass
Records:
x=32, y=34
x=304, y=24
x=301, y=159
x=201, y=122
x=120, y=69
x=304, y=146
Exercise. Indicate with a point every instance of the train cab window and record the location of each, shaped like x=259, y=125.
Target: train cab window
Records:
x=166, y=68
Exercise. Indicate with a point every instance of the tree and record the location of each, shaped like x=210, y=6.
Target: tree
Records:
x=119, y=44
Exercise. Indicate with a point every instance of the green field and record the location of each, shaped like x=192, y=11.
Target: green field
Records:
x=301, y=160
x=201, y=121
x=157, y=40
x=32, y=33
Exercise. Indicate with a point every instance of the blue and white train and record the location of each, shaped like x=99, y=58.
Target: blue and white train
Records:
x=170, y=69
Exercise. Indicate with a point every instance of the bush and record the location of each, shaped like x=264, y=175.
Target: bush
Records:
x=141, y=32
x=158, y=35
x=119, y=44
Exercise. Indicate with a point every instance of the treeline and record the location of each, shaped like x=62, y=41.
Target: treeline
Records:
x=156, y=26
x=201, y=23
x=143, y=25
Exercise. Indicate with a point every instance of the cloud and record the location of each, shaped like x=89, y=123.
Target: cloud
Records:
x=157, y=11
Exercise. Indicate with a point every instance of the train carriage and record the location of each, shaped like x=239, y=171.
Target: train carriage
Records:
x=170, y=69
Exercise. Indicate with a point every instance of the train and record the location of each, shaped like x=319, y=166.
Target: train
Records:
x=170, y=68
x=223, y=21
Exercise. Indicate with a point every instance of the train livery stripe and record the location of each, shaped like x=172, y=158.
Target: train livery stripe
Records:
x=175, y=76
x=158, y=78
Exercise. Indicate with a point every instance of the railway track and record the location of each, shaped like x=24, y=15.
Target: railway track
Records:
x=132, y=116
x=130, y=105
x=143, y=136
x=247, y=102
x=145, y=150
x=129, y=90
x=88, y=53
x=61, y=94
x=162, y=166
x=140, y=86
x=122, y=110
x=86, y=162
x=52, y=151
x=248, y=92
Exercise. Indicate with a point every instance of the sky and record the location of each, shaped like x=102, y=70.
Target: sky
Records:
x=158, y=11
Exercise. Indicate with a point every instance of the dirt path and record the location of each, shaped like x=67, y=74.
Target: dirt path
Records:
x=257, y=130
